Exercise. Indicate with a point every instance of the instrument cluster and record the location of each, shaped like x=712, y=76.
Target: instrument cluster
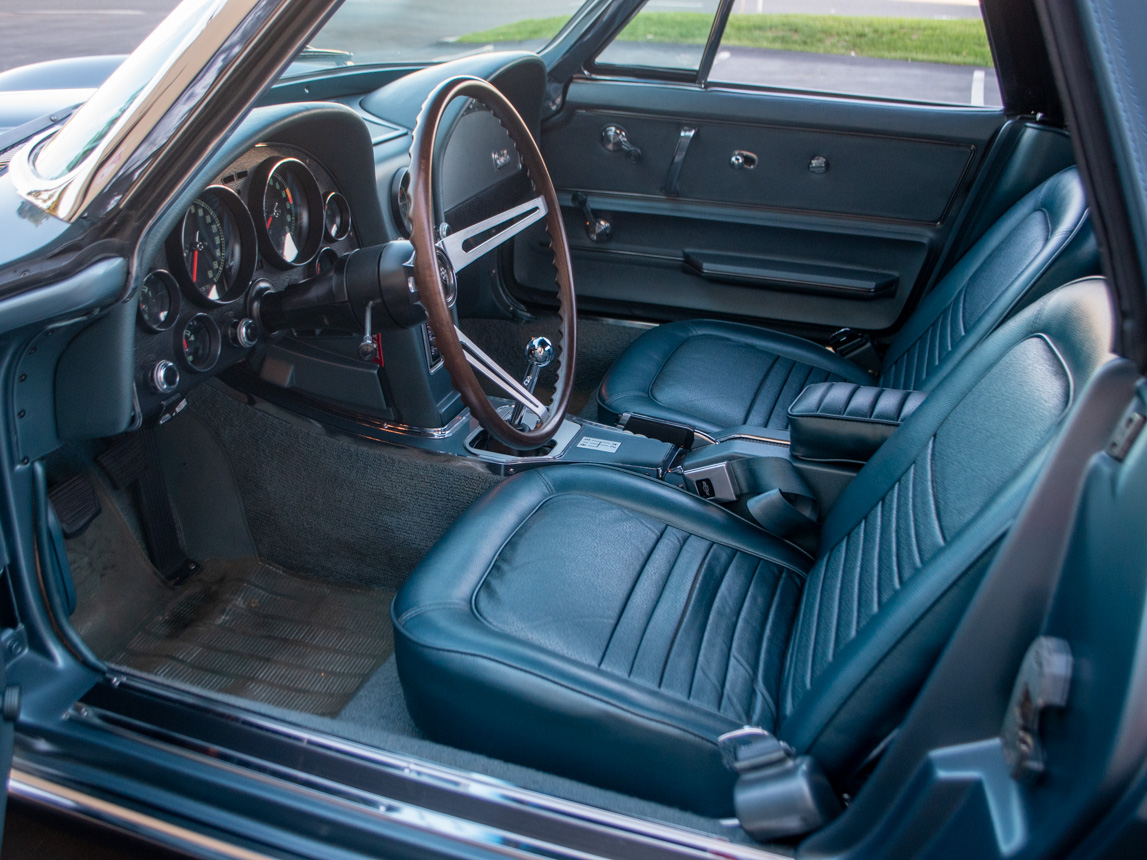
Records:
x=273, y=218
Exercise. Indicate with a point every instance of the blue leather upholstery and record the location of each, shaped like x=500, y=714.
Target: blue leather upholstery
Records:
x=845, y=423
x=602, y=625
x=714, y=375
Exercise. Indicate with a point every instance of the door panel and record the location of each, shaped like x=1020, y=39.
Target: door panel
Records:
x=785, y=241
x=865, y=175
x=644, y=266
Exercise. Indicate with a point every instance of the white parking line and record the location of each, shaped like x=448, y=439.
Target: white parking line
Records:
x=978, y=88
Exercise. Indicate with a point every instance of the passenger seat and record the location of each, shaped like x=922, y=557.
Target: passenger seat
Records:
x=714, y=375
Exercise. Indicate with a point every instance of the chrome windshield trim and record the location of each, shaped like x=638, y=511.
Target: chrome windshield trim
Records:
x=66, y=195
x=172, y=100
x=410, y=767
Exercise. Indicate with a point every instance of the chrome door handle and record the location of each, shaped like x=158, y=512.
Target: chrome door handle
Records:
x=674, y=174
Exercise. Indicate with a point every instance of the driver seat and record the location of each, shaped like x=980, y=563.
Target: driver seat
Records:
x=594, y=623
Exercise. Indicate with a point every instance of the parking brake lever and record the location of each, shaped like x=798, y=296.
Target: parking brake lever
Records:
x=539, y=353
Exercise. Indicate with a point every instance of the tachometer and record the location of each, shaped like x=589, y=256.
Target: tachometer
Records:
x=213, y=251
x=289, y=211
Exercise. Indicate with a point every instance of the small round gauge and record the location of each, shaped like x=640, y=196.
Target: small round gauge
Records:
x=213, y=250
x=158, y=300
x=326, y=261
x=336, y=217
x=289, y=212
x=200, y=343
x=400, y=201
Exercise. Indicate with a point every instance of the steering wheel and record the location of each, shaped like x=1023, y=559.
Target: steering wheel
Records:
x=436, y=263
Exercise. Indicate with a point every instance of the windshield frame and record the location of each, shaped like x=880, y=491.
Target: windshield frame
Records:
x=235, y=49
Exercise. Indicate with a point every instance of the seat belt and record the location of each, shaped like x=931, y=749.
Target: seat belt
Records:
x=778, y=793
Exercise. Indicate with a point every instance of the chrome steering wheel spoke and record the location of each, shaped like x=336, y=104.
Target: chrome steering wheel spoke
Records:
x=467, y=245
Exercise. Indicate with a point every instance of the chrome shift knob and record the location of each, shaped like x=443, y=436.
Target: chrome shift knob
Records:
x=539, y=353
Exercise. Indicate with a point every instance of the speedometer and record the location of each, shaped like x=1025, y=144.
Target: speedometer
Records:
x=213, y=250
x=289, y=211
x=207, y=248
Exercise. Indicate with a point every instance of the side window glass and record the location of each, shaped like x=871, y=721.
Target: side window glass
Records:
x=665, y=34
x=927, y=50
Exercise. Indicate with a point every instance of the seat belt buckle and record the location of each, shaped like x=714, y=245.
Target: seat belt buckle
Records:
x=778, y=793
x=856, y=346
x=751, y=748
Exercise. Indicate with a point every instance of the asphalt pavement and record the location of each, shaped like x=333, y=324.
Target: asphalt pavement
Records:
x=35, y=30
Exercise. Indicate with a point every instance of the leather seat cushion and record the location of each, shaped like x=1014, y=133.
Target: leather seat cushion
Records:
x=619, y=660
x=714, y=375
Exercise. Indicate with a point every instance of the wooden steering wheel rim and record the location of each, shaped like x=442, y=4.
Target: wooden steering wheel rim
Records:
x=426, y=272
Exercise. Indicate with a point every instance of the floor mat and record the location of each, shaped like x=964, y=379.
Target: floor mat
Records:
x=250, y=629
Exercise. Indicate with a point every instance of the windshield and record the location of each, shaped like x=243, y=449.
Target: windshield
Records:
x=92, y=122
x=422, y=31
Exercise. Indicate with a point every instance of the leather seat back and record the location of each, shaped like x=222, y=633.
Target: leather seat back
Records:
x=1043, y=241
x=908, y=541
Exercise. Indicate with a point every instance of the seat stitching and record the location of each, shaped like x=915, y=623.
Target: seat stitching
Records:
x=930, y=454
x=835, y=626
x=734, y=658
x=770, y=618
x=760, y=384
x=778, y=405
x=684, y=612
x=632, y=589
x=910, y=486
x=709, y=621
x=656, y=603
x=893, y=559
x=990, y=545
x=878, y=511
x=816, y=614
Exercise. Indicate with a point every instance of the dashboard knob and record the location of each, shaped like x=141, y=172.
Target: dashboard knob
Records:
x=244, y=333
x=164, y=377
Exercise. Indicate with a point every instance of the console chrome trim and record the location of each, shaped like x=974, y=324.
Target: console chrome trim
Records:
x=752, y=437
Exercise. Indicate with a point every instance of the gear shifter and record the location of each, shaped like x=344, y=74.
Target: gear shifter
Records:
x=539, y=353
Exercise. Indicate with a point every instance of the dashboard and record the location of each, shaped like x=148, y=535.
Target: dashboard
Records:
x=297, y=188
x=275, y=216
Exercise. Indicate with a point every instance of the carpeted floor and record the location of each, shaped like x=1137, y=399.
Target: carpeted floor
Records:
x=341, y=510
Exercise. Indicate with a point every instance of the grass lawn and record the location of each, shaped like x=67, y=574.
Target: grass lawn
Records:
x=958, y=42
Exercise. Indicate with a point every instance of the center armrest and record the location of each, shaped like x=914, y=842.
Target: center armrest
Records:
x=840, y=422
